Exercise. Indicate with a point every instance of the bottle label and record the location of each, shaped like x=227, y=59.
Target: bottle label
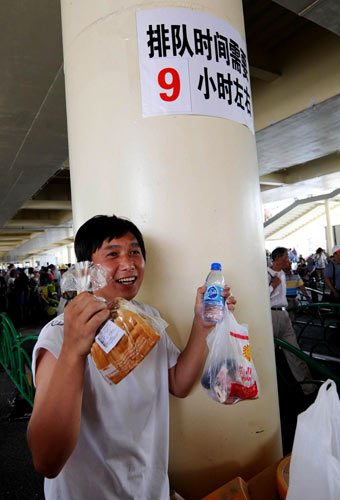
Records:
x=213, y=293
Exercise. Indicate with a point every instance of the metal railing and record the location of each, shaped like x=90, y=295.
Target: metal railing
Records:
x=314, y=364
x=15, y=359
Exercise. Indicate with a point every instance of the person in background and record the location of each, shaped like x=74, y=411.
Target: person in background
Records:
x=56, y=278
x=3, y=295
x=30, y=272
x=292, y=255
x=45, y=277
x=320, y=260
x=311, y=268
x=293, y=284
x=302, y=267
x=282, y=325
x=21, y=289
x=34, y=296
x=332, y=275
x=11, y=267
x=64, y=300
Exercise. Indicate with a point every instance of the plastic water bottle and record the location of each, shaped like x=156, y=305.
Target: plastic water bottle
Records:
x=213, y=301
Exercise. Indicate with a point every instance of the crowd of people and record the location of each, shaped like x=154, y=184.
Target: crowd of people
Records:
x=285, y=282
x=318, y=269
x=29, y=294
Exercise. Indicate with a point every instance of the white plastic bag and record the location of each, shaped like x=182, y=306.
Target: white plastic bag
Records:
x=314, y=472
x=229, y=374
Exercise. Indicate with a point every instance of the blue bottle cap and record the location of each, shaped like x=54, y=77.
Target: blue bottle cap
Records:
x=215, y=266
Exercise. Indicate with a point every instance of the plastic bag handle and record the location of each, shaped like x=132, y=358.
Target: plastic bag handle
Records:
x=328, y=390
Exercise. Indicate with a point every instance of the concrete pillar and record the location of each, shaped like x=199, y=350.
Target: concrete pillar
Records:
x=191, y=185
x=329, y=229
x=69, y=254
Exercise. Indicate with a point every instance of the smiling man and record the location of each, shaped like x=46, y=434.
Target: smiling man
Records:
x=90, y=439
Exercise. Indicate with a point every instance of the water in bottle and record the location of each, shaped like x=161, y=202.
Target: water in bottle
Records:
x=213, y=301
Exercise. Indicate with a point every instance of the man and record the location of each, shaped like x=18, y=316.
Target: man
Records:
x=56, y=278
x=282, y=326
x=11, y=267
x=293, y=282
x=91, y=439
x=332, y=275
x=321, y=261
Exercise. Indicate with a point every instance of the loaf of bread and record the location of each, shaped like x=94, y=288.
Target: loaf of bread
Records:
x=137, y=340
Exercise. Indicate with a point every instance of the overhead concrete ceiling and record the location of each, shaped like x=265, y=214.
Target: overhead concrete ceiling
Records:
x=314, y=133
x=35, y=193
x=325, y=13
x=299, y=214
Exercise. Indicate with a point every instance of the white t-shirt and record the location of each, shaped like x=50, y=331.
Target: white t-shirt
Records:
x=321, y=260
x=123, y=446
x=278, y=294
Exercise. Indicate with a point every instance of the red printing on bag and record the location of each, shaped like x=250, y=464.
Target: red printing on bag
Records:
x=238, y=336
x=242, y=392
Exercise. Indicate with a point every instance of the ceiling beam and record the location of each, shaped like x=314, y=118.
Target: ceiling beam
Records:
x=25, y=223
x=48, y=205
x=277, y=179
x=265, y=75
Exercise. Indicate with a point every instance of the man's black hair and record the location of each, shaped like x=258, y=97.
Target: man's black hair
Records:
x=91, y=235
x=278, y=252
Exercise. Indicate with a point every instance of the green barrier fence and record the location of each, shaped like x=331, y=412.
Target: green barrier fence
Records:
x=319, y=368
x=15, y=359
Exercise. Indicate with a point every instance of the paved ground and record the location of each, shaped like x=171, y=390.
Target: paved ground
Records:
x=19, y=480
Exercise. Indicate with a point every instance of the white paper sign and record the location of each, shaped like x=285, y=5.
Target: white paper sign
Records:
x=193, y=63
x=109, y=336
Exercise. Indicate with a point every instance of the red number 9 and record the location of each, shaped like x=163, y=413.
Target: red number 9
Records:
x=174, y=85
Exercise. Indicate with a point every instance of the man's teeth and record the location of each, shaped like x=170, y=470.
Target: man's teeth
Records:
x=126, y=280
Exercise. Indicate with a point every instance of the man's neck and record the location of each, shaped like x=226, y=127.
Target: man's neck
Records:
x=276, y=267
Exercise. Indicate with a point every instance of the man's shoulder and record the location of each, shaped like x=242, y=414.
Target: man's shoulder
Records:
x=331, y=264
x=151, y=311
x=57, y=322
x=273, y=273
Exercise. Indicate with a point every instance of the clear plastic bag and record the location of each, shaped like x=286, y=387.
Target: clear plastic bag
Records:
x=84, y=277
x=229, y=374
x=125, y=340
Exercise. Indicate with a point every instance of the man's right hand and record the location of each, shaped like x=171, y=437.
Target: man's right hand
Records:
x=83, y=317
x=54, y=427
x=275, y=282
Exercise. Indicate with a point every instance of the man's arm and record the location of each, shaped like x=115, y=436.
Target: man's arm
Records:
x=54, y=427
x=273, y=283
x=332, y=288
x=305, y=293
x=184, y=374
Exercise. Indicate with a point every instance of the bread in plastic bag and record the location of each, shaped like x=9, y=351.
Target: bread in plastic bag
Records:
x=125, y=340
x=229, y=374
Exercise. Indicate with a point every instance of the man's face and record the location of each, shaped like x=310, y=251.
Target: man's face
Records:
x=287, y=268
x=123, y=260
x=337, y=257
x=283, y=261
